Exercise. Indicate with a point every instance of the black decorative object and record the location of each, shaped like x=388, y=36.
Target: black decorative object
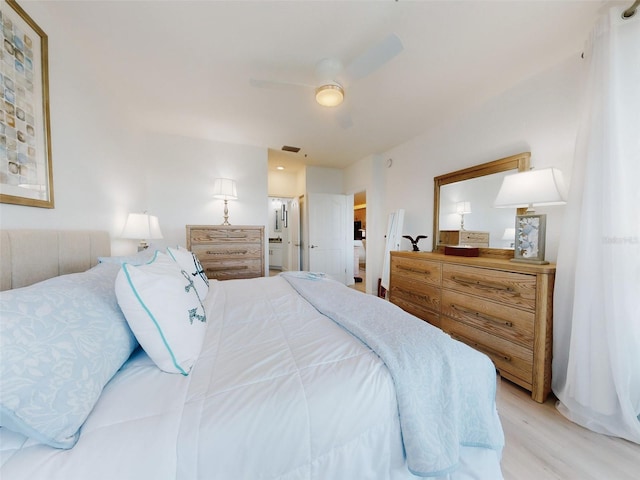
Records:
x=414, y=242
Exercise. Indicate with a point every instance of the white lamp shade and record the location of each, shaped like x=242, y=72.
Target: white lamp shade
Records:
x=534, y=187
x=141, y=227
x=225, y=188
x=509, y=234
x=463, y=207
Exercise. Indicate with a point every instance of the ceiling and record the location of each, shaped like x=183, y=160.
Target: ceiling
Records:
x=184, y=67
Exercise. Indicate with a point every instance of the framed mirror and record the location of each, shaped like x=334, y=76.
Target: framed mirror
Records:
x=463, y=212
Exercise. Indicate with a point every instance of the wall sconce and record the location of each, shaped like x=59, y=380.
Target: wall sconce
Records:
x=462, y=208
x=543, y=187
x=143, y=227
x=225, y=189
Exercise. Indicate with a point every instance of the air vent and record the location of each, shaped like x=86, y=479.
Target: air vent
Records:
x=287, y=148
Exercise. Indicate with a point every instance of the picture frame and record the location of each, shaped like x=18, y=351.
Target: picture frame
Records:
x=26, y=167
x=530, y=238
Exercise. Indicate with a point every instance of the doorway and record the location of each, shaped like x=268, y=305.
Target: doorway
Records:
x=360, y=241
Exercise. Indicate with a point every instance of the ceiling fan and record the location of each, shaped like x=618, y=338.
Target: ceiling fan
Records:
x=332, y=77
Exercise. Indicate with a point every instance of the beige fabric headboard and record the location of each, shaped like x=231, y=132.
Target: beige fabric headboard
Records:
x=30, y=256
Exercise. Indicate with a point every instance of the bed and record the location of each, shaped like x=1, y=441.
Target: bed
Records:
x=295, y=377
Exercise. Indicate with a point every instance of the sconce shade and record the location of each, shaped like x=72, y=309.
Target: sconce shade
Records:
x=534, y=187
x=225, y=188
x=463, y=207
x=330, y=95
x=141, y=226
x=509, y=234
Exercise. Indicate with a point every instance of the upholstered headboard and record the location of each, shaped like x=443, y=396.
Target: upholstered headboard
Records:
x=30, y=256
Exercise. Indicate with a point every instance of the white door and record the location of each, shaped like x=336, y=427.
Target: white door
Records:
x=329, y=236
x=293, y=251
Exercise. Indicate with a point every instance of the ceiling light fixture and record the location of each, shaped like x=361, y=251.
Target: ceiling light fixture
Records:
x=330, y=95
x=279, y=167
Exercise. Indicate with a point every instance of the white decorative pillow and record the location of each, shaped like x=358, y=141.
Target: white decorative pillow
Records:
x=190, y=264
x=164, y=311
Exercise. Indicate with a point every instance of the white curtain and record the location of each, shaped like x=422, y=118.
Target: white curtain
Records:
x=596, y=365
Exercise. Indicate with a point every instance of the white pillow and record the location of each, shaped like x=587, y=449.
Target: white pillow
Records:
x=164, y=311
x=190, y=264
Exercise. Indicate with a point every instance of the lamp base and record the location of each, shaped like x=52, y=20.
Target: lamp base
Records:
x=226, y=214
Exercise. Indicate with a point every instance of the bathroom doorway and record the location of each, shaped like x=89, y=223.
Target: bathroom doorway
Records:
x=360, y=240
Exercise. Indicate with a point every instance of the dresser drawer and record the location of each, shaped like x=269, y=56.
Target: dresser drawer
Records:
x=227, y=251
x=415, y=292
x=516, y=289
x=418, y=310
x=231, y=269
x=480, y=239
x=510, y=323
x=510, y=358
x=226, y=235
x=423, y=271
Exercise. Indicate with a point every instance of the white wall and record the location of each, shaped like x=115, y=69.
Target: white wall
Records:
x=103, y=170
x=283, y=184
x=539, y=115
x=324, y=180
x=180, y=174
x=95, y=161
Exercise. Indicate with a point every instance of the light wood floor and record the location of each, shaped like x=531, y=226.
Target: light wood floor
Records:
x=541, y=444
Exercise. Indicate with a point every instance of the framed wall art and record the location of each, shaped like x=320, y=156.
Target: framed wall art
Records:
x=26, y=173
x=530, y=238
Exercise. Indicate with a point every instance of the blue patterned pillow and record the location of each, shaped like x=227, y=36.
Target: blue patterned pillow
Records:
x=61, y=341
x=139, y=258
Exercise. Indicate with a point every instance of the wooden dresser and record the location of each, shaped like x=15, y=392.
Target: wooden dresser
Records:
x=228, y=251
x=502, y=308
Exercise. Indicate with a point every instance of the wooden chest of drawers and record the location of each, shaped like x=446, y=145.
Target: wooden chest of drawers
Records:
x=499, y=307
x=463, y=237
x=228, y=251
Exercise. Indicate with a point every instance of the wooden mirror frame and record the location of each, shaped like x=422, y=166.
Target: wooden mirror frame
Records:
x=519, y=162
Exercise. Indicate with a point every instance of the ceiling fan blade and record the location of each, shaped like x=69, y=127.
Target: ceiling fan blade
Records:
x=344, y=119
x=277, y=84
x=374, y=57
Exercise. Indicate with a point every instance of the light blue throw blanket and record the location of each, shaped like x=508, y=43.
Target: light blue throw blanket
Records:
x=445, y=389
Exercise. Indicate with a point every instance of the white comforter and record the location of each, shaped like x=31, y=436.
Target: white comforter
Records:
x=279, y=391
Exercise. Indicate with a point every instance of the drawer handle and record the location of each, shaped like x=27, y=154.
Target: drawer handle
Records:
x=482, y=316
x=226, y=268
x=414, y=270
x=228, y=252
x=484, y=285
x=482, y=348
x=228, y=235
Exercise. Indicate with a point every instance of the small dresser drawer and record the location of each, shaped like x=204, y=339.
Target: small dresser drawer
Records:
x=413, y=270
x=227, y=251
x=474, y=238
x=227, y=235
x=423, y=300
x=508, y=357
x=516, y=289
x=230, y=269
x=464, y=237
x=513, y=324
